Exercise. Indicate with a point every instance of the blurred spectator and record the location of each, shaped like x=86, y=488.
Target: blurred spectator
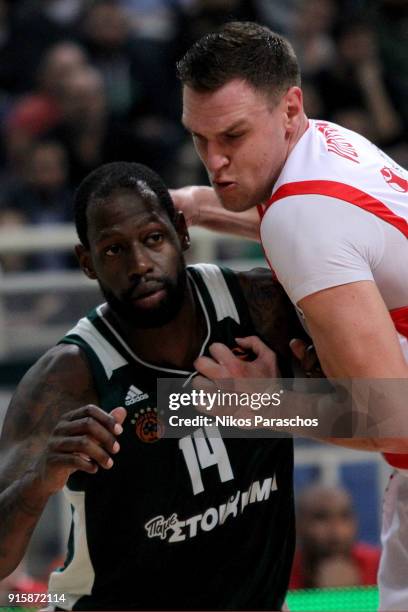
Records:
x=328, y=554
x=107, y=37
x=38, y=25
x=390, y=18
x=155, y=19
x=91, y=136
x=38, y=112
x=336, y=571
x=42, y=197
x=207, y=15
x=137, y=70
x=84, y=129
x=312, y=35
x=34, y=114
x=357, y=83
x=278, y=15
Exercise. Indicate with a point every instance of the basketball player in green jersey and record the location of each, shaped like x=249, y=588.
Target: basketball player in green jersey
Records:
x=196, y=523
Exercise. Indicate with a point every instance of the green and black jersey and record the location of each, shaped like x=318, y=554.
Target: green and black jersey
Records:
x=177, y=524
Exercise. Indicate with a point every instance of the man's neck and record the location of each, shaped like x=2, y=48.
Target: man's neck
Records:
x=298, y=133
x=293, y=139
x=176, y=344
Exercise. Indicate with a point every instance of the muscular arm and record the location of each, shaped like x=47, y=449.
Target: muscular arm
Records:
x=272, y=312
x=354, y=339
x=362, y=345
x=33, y=466
x=202, y=208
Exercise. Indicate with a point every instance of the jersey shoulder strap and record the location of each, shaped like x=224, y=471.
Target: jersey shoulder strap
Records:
x=90, y=336
x=222, y=294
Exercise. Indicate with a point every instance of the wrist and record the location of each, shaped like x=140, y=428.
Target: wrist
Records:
x=35, y=490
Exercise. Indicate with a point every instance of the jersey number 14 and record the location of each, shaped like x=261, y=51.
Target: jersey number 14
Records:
x=202, y=450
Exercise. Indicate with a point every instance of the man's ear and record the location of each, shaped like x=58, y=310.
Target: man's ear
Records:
x=293, y=104
x=85, y=262
x=182, y=231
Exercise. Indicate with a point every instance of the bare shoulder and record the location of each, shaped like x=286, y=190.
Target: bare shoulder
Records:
x=272, y=312
x=59, y=381
x=265, y=296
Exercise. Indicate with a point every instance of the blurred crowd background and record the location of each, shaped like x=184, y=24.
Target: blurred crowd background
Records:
x=83, y=82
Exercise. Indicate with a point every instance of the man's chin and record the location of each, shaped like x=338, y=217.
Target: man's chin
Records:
x=154, y=318
x=233, y=200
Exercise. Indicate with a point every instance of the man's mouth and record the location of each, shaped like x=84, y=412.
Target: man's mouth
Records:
x=148, y=294
x=223, y=185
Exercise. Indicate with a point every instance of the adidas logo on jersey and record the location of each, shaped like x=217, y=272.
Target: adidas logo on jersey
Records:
x=134, y=395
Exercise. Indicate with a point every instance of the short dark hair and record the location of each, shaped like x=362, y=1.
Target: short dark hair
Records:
x=101, y=183
x=243, y=50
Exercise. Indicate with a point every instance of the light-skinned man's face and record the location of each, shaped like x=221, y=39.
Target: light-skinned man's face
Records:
x=243, y=139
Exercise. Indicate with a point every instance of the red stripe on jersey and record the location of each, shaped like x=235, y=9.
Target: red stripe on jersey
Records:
x=261, y=210
x=344, y=192
x=400, y=318
x=355, y=196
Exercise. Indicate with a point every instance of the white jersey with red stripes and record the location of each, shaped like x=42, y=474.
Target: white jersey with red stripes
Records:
x=333, y=161
x=317, y=233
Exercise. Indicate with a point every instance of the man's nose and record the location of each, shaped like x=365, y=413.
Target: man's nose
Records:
x=216, y=158
x=139, y=261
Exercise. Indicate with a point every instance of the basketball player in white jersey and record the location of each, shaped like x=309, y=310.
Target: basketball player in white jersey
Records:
x=334, y=226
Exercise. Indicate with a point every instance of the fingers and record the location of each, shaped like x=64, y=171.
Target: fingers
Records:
x=223, y=355
x=90, y=433
x=307, y=356
x=209, y=368
x=201, y=383
x=86, y=448
x=119, y=414
x=255, y=344
x=73, y=462
x=107, y=420
x=223, y=364
x=265, y=365
x=88, y=428
x=298, y=348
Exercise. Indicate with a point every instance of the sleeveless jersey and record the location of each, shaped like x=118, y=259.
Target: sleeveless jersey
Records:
x=331, y=161
x=196, y=523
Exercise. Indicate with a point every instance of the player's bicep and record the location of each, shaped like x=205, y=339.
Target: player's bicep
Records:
x=353, y=332
x=316, y=242
x=272, y=312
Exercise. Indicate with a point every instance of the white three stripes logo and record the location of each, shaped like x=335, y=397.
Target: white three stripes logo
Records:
x=134, y=395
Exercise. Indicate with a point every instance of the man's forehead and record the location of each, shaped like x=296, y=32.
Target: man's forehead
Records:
x=127, y=203
x=232, y=103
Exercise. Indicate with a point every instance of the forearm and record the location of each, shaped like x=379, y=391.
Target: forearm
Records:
x=216, y=218
x=202, y=208
x=21, y=505
x=342, y=418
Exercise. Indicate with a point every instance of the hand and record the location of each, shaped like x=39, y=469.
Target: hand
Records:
x=307, y=357
x=218, y=371
x=84, y=440
x=190, y=199
x=224, y=364
x=226, y=372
